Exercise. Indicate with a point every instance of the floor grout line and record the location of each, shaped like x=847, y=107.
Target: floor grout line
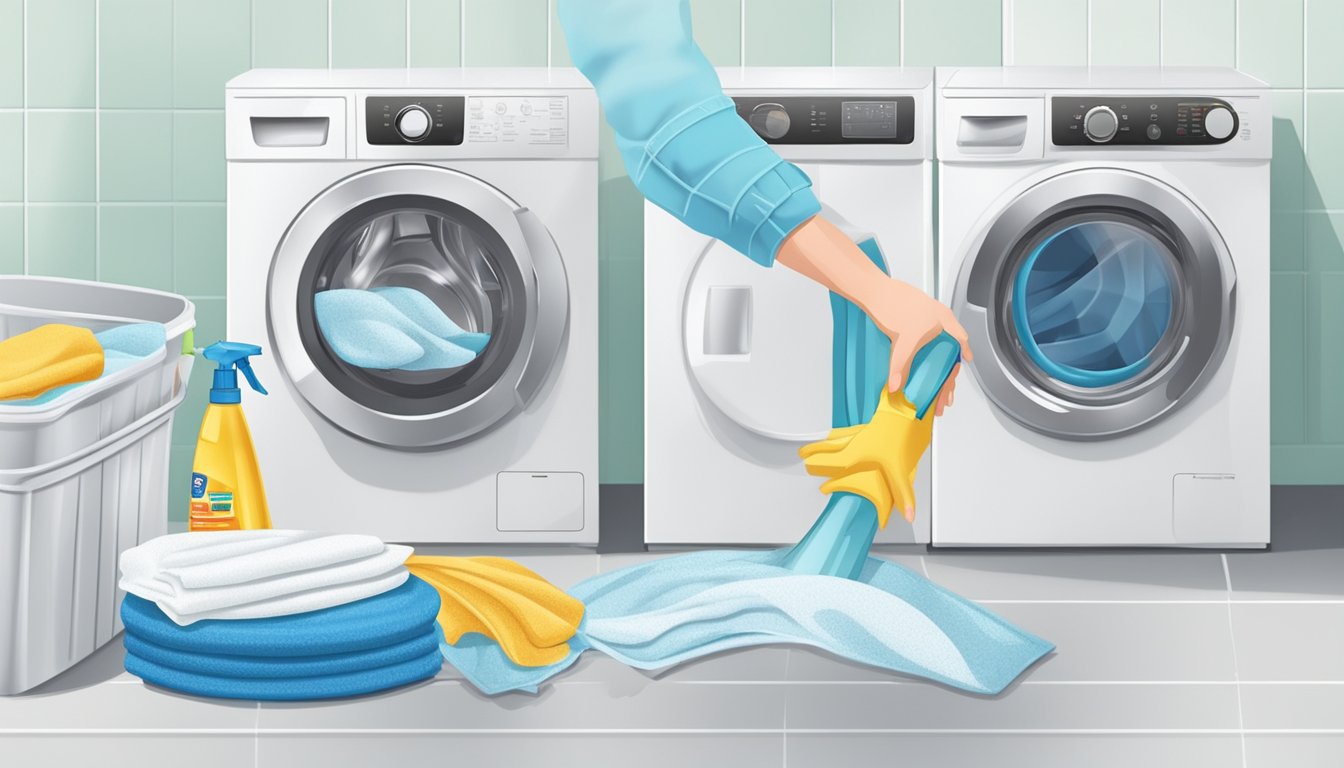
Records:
x=1236, y=668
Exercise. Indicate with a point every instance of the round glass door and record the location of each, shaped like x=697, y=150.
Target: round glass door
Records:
x=415, y=307
x=1097, y=301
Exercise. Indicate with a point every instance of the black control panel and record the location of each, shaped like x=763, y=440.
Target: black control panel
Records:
x=830, y=119
x=1145, y=120
x=434, y=120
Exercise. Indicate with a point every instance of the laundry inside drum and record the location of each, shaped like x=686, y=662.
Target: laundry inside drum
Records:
x=409, y=295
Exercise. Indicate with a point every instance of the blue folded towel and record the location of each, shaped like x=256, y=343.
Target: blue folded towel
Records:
x=287, y=689
x=277, y=667
x=393, y=329
x=405, y=613
x=123, y=347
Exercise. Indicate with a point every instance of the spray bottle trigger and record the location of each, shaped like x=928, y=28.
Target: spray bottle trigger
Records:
x=246, y=368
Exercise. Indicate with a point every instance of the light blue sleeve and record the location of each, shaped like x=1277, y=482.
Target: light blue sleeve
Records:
x=683, y=143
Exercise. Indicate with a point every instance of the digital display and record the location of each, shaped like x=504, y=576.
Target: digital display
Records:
x=868, y=119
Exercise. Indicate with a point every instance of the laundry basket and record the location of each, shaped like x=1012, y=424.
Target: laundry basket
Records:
x=82, y=478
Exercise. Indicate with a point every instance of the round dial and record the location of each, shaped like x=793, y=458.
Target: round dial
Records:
x=1100, y=124
x=770, y=120
x=413, y=123
x=1218, y=122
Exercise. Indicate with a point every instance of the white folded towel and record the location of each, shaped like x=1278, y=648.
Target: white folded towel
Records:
x=256, y=574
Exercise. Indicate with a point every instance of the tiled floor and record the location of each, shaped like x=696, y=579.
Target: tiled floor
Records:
x=1164, y=659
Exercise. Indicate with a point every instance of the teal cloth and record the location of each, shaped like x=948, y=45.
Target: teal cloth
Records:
x=123, y=347
x=393, y=329
x=682, y=141
x=276, y=667
x=335, y=686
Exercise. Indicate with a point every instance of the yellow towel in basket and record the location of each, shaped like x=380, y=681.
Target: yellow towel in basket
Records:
x=47, y=357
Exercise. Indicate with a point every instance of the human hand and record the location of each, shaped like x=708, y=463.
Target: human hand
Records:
x=911, y=319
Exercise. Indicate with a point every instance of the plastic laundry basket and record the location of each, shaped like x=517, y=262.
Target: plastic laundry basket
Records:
x=91, y=480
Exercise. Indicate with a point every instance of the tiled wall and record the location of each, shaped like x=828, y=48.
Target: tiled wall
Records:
x=111, y=139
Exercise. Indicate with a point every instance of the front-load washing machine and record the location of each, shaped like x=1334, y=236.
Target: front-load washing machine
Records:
x=737, y=371
x=476, y=188
x=1104, y=238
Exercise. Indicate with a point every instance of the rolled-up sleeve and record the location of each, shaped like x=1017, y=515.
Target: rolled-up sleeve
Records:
x=681, y=139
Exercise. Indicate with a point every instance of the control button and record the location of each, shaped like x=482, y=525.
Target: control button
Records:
x=1218, y=122
x=1180, y=131
x=525, y=108
x=770, y=120
x=1153, y=117
x=413, y=123
x=500, y=108
x=1154, y=131
x=1100, y=124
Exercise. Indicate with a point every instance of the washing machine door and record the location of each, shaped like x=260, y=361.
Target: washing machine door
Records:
x=485, y=261
x=1098, y=301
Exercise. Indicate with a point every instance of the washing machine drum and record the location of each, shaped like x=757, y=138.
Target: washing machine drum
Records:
x=486, y=263
x=1102, y=299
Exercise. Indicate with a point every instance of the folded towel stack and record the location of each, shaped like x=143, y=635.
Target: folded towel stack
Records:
x=277, y=615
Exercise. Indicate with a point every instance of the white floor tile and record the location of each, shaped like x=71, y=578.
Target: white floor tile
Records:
x=1015, y=751
x=1080, y=576
x=1271, y=706
x=585, y=750
x=1289, y=642
x=1313, y=574
x=1088, y=707
x=1294, y=750
x=129, y=750
x=124, y=705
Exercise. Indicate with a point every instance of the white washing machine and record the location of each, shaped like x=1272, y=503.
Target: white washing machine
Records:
x=737, y=371
x=477, y=188
x=1104, y=238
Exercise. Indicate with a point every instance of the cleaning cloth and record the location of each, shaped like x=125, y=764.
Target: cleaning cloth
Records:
x=278, y=667
x=392, y=329
x=401, y=614
x=260, y=573
x=287, y=689
x=40, y=365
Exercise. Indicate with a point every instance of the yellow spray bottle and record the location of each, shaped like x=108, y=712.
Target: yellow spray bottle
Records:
x=226, y=490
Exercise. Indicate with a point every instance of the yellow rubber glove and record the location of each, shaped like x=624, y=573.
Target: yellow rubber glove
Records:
x=876, y=460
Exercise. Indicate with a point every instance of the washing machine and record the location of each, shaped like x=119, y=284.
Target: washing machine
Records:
x=475, y=187
x=737, y=369
x=1104, y=238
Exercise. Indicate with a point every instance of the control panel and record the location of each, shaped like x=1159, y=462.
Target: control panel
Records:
x=830, y=119
x=1140, y=120
x=435, y=120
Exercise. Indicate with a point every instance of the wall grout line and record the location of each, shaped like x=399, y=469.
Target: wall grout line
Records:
x=900, y=35
x=98, y=137
x=550, y=18
x=27, y=166
x=407, y=7
x=742, y=33
x=329, y=33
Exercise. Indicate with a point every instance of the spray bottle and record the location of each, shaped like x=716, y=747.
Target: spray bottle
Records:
x=226, y=490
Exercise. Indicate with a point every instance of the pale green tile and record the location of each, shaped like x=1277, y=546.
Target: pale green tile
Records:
x=1323, y=241
x=867, y=33
x=1307, y=464
x=1049, y=32
x=11, y=53
x=787, y=33
x=137, y=157
x=289, y=33
x=1287, y=357
x=717, y=25
x=1325, y=152
x=368, y=33
x=1329, y=411
x=559, y=48
x=198, y=250
x=212, y=42
x=621, y=379
x=198, y=156
x=1269, y=41
x=135, y=246
x=505, y=33
x=1199, y=33
x=436, y=37
x=953, y=32
x=61, y=154
x=179, y=475
x=135, y=53
x=1125, y=32
x=1288, y=169
x=1325, y=54
x=1287, y=241
x=62, y=241
x=60, y=53
x=11, y=240
x=11, y=157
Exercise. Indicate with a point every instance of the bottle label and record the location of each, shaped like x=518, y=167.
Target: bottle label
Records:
x=198, y=482
x=211, y=506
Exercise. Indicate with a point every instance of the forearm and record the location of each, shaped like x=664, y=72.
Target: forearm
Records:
x=820, y=251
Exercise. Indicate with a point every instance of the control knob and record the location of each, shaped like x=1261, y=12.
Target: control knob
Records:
x=1100, y=124
x=1218, y=123
x=770, y=120
x=413, y=123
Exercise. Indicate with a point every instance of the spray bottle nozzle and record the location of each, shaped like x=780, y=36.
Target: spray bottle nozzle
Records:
x=231, y=355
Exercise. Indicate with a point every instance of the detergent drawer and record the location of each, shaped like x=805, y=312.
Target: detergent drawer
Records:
x=539, y=501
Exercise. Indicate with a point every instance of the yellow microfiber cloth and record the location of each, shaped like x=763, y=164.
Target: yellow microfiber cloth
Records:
x=47, y=357
x=530, y=618
x=876, y=460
